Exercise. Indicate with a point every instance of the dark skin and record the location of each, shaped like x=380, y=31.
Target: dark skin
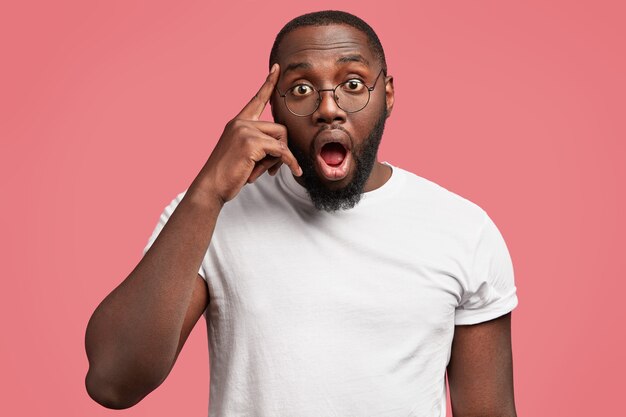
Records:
x=135, y=335
x=324, y=57
x=480, y=372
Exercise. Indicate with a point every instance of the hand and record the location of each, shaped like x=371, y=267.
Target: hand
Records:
x=248, y=147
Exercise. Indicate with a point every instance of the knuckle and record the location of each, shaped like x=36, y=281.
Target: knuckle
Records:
x=237, y=123
x=248, y=142
x=234, y=125
x=243, y=131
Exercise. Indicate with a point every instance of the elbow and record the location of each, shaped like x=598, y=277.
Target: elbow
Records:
x=112, y=395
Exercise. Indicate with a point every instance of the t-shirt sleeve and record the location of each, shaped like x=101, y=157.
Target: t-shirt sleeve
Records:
x=165, y=215
x=489, y=289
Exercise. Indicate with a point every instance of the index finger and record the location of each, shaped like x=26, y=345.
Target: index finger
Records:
x=255, y=107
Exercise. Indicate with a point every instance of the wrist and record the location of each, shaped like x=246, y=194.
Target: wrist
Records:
x=200, y=192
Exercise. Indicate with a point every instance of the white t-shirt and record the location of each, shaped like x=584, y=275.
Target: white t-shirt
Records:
x=352, y=313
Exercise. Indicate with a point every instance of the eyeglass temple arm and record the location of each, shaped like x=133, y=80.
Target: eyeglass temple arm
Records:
x=377, y=77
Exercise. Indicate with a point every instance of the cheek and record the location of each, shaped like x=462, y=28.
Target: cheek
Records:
x=363, y=125
x=296, y=133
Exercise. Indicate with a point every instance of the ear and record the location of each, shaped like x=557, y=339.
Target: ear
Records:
x=389, y=94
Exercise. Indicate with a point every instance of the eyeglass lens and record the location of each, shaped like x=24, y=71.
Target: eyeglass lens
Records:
x=350, y=96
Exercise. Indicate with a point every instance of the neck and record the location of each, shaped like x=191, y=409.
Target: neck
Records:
x=379, y=176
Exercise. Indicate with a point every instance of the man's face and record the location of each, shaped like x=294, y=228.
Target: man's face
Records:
x=336, y=150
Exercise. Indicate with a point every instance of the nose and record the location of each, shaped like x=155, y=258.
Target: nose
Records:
x=328, y=111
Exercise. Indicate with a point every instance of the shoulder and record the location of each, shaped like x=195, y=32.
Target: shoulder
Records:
x=431, y=198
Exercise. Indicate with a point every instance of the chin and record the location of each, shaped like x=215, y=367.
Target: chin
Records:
x=338, y=184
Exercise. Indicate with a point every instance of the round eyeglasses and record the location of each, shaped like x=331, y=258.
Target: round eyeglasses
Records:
x=351, y=96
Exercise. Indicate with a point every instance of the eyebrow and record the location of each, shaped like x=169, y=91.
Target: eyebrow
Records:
x=305, y=65
x=298, y=65
x=353, y=58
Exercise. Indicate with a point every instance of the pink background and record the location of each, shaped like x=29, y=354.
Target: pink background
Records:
x=109, y=109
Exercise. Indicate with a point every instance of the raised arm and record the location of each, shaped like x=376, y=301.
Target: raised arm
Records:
x=480, y=372
x=134, y=336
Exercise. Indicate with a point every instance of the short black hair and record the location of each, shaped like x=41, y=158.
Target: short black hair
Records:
x=331, y=17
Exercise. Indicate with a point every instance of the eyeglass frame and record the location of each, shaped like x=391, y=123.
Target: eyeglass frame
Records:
x=319, y=96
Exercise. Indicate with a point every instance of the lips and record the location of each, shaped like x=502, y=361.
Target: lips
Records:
x=333, y=154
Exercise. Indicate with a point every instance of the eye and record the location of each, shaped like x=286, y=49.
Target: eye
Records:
x=301, y=90
x=353, y=86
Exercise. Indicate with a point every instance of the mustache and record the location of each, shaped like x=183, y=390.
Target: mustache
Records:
x=325, y=128
x=334, y=126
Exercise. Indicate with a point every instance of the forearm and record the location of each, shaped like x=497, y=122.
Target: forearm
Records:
x=133, y=335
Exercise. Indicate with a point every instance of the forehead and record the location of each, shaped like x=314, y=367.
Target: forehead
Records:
x=319, y=45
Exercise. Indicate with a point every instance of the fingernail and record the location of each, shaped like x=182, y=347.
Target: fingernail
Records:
x=273, y=70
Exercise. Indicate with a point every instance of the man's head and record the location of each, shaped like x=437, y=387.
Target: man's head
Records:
x=335, y=145
x=331, y=17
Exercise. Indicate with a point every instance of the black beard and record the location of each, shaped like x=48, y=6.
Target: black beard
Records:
x=347, y=197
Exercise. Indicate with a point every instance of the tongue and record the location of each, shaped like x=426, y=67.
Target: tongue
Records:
x=333, y=153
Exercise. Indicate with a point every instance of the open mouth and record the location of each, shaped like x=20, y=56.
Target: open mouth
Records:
x=333, y=161
x=333, y=154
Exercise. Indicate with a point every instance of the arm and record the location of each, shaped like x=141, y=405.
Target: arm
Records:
x=480, y=372
x=134, y=336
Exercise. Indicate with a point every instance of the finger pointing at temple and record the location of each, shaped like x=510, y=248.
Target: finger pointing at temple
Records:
x=255, y=107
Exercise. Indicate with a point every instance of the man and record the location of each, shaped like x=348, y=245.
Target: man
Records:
x=336, y=285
